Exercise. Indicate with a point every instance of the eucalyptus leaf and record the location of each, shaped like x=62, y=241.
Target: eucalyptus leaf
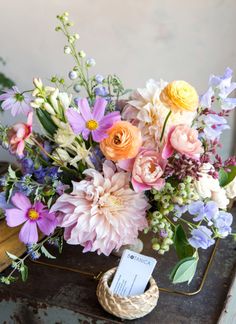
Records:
x=11, y=173
x=12, y=256
x=226, y=177
x=184, y=270
x=24, y=272
x=182, y=247
x=46, y=253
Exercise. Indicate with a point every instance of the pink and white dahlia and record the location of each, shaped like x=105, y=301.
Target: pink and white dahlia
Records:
x=102, y=213
x=147, y=112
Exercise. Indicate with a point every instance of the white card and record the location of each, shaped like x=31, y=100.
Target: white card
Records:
x=133, y=273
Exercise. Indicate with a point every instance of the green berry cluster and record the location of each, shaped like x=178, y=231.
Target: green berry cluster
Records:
x=160, y=225
x=182, y=193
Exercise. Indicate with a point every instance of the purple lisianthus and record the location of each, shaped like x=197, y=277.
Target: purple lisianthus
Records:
x=214, y=126
x=223, y=221
x=94, y=121
x=201, y=210
x=16, y=101
x=33, y=216
x=201, y=238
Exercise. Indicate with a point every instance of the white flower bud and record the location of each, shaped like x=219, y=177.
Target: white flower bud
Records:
x=76, y=36
x=67, y=50
x=38, y=83
x=82, y=54
x=73, y=75
x=49, y=108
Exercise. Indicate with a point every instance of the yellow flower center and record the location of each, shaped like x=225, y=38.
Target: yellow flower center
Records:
x=92, y=124
x=33, y=214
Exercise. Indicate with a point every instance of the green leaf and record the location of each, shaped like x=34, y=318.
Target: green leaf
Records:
x=226, y=177
x=11, y=173
x=184, y=270
x=24, y=272
x=12, y=256
x=46, y=121
x=182, y=247
x=46, y=253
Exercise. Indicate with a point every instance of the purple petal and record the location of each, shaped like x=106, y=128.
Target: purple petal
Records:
x=29, y=233
x=99, y=135
x=15, y=217
x=195, y=207
x=75, y=120
x=7, y=104
x=85, y=133
x=99, y=108
x=46, y=225
x=110, y=119
x=205, y=99
x=21, y=201
x=85, y=109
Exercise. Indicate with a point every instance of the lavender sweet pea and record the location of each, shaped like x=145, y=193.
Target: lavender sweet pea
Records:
x=201, y=210
x=93, y=122
x=215, y=125
x=201, y=238
x=223, y=222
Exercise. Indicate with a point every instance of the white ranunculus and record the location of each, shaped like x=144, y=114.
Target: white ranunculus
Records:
x=208, y=187
x=231, y=189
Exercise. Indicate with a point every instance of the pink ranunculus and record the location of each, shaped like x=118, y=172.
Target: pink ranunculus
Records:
x=17, y=135
x=183, y=139
x=147, y=169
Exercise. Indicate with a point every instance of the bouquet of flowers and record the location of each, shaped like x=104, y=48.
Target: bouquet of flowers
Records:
x=113, y=162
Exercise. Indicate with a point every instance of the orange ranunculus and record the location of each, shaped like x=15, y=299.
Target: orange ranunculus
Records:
x=123, y=142
x=179, y=96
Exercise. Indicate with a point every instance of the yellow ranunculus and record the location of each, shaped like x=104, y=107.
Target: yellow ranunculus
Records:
x=179, y=96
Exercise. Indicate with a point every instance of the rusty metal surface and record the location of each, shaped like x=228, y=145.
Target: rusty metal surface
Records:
x=58, y=296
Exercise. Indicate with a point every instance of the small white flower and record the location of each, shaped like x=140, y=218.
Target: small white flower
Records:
x=64, y=99
x=231, y=189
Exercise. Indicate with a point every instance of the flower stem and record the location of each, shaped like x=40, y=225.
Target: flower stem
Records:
x=164, y=126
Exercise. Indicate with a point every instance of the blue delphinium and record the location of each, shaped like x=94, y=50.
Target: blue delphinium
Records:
x=223, y=221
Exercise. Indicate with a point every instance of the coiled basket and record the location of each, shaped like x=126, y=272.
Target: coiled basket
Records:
x=126, y=307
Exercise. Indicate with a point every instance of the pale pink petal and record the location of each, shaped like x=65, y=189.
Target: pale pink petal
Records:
x=138, y=187
x=159, y=184
x=30, y=119
x=20, y=148
x=85, y=109
x=99, y=108
x=75, y=120
x=15, y=217
x=126, y=165
x=21, y=201
x=29, y=233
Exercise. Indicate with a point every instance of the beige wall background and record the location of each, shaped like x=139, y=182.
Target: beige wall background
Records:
x=136, y=39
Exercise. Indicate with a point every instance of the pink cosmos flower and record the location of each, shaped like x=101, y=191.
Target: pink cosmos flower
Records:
x=147, y=169
x=93, y=122
x=102, y=213
x=18, y=134
x=16, y=101
x=183, y=139
x=33, y=216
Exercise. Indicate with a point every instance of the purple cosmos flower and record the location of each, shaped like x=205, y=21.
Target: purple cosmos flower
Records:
x=16, y=101
x=201, y=210
x=215, y=125
x=201, y=237
x=93, y=122
x=223, y=222
x=32, y=216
